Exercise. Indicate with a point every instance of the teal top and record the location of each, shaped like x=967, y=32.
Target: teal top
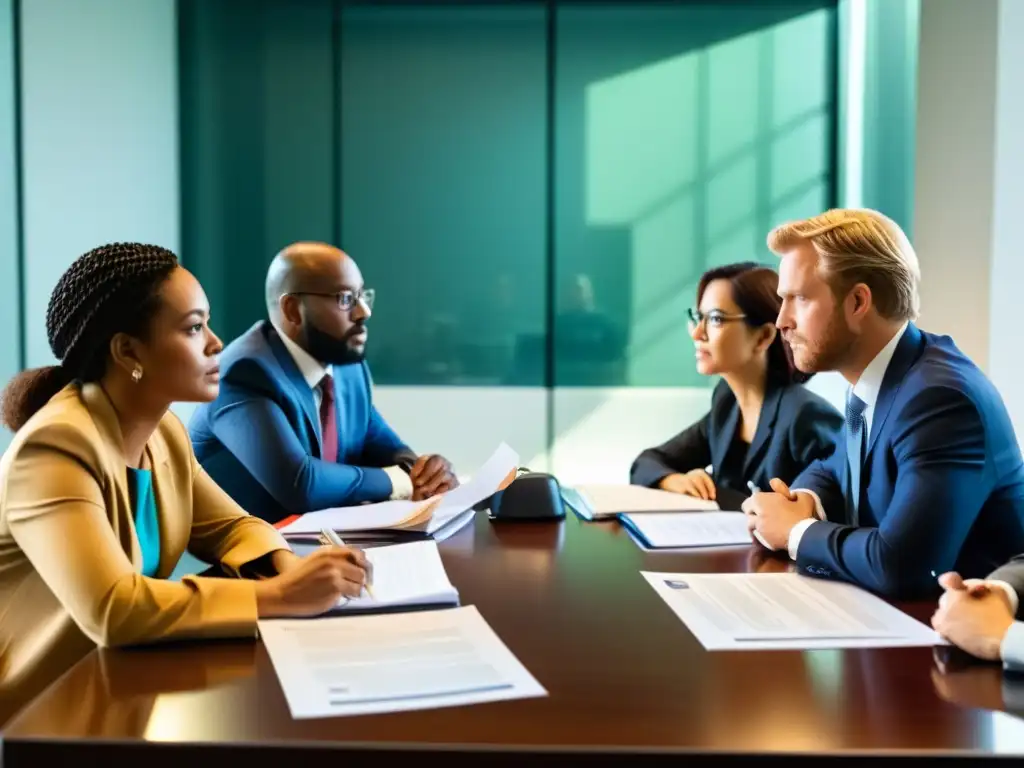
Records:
x=140, y=483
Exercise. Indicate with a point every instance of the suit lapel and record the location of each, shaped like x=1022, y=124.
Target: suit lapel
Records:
x=172, y=537
x=298, y=384
x=105, y=418
x=907, y=352
x=723, y=429
x=765, y=422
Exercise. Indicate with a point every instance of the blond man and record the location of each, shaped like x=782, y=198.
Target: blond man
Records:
x=928, y=476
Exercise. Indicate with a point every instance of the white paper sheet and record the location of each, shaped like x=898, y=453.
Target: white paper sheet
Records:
x=453, y=526
x=405, y=574
x=608, y=500
x=365, y=517
x=387, y=514
x=689, y=529
x=397, y=662
x=483, y=485
x=756, y=611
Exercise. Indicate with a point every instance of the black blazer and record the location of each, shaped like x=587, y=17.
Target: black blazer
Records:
x=796, y=427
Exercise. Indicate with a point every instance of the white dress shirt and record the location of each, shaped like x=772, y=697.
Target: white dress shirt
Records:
x=1011, y=650
x=313, y=371
x=867, y=388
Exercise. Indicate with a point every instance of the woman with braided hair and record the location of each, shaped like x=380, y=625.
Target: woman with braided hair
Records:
x=100, y=492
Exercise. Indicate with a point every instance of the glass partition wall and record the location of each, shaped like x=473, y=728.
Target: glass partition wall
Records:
x=533, y=189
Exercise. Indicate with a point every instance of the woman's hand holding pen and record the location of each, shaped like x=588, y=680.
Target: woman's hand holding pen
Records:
x=314, y=585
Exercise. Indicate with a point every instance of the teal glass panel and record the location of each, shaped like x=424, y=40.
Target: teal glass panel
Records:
x=443, y=198
x=416, y=138
x=257, y=115
x=10, y=306
x=682, y=134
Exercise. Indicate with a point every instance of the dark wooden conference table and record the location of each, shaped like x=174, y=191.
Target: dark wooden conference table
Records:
x=627, y=682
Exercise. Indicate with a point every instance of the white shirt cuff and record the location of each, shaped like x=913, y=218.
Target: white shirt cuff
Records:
x=1011, y=593
x=401, y=483
x=1011, y=650
x=797, y=531
x=795, y=534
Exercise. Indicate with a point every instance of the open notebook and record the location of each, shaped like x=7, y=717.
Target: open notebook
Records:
x=599, y=501
x=426, y=516
x=405, y=577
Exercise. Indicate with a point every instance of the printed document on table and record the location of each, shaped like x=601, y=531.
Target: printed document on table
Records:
x=405, y=575
x=661, y=530
x=392, y=663
x=757, y=611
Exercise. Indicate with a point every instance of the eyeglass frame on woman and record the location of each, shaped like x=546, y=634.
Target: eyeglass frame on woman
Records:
x=695, y=318
x=365, y=295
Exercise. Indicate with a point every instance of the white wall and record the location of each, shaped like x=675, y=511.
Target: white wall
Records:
x=598, y=430
x=970, y=186
x=955, y=194
x=1005, y=315
x=99, y=128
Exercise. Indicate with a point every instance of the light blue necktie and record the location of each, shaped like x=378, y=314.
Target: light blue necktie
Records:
x=855, y=434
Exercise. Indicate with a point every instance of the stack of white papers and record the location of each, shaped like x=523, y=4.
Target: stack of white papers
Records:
x=370, y=664
x=755, y=611
x=665, y=530
x=608, y=500
x=404, y=575
x=428, y=516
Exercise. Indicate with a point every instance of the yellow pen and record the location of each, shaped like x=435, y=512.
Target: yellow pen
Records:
x=335, y=539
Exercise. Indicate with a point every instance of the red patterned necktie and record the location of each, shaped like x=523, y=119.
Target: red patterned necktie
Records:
x=328, y=421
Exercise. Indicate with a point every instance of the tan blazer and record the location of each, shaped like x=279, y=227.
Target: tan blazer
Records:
x=70, y=560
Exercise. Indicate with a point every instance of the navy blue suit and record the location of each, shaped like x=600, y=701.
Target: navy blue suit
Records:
x=260, y=439
x=795, y=427
x=942, y=484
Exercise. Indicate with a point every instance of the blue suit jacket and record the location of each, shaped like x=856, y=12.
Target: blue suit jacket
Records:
x=942, y=486
x=260, y=439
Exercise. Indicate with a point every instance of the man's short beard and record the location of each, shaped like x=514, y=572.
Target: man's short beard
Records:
x=330, y=350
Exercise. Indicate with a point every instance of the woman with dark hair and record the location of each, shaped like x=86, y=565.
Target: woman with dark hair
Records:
x=100, y=492
x=763, y=423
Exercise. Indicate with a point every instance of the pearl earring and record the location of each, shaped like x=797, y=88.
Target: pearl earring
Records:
x=137, y=374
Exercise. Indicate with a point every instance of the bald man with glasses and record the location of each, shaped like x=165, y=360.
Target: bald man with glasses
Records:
x=294, y=428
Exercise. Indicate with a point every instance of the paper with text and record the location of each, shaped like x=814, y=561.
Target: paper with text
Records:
x=660, y=530
x=608, y=500
x=398, y=662
x=428, y=515
x=755, y=611
x=405, y=574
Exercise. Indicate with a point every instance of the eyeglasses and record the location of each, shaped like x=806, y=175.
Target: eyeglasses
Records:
x=346, y=299
x=713, y=320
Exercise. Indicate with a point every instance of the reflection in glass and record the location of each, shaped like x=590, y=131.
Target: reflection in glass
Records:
x=681, y=133
x=442, y=166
